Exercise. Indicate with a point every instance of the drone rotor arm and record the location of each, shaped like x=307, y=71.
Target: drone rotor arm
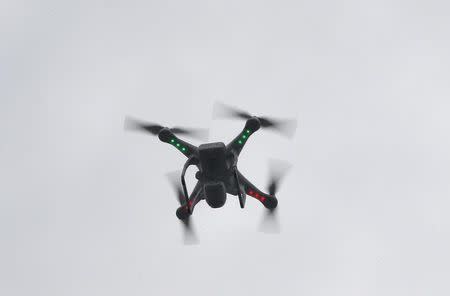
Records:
x=251, y=126
x=191, y=161
x=268, y=200
x=185, y=210
x=167, y=136
x=196, y=195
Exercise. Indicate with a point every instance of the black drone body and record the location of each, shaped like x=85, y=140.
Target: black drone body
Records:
x=217, y=173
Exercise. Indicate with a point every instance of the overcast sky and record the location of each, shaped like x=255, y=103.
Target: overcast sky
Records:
x=85, y=208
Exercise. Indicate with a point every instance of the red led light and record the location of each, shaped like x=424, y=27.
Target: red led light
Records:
x=257, y=195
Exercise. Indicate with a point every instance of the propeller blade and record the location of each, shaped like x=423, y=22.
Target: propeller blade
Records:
x=134, y=124
x=197, y=133
x=285, y=127
x=277, y=170
x=270, y=222
x=189, y=234
x=154, y=129
x=175, y=182
x=221, y=110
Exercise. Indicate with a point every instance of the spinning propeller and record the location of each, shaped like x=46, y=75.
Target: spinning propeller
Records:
x=154, y=129
x=286, y=127
x=188, y=231
x=277, y=170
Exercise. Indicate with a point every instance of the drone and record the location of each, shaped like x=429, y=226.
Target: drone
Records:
x=217, y=173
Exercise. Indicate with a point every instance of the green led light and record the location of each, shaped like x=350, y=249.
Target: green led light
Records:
x=244, y=136
x=178, y=144
x=240, y=142
x=172, y=141
x=184, y=149
x=247, y=131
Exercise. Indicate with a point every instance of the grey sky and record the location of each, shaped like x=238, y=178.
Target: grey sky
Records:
x=85, y=208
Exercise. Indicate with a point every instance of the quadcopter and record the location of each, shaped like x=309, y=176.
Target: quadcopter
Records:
x=217, y=173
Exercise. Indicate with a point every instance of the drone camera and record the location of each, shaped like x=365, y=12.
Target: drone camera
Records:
x=215, y=194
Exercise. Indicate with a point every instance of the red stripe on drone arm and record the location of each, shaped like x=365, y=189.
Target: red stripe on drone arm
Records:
x=195, y=196
x=252, y=190
x=258, y=194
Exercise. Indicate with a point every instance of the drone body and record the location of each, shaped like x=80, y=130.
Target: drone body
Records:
x=217, y=173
